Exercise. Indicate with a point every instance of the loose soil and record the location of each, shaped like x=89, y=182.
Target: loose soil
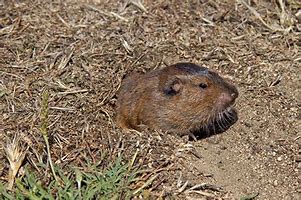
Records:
x=80, y=50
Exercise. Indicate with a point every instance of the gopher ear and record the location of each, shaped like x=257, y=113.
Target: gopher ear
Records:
x=173, y=87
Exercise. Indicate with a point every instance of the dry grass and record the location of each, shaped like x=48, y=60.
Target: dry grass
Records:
x=80, y=50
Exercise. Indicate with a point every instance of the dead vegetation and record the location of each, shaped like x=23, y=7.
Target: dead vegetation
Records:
x=80, y=51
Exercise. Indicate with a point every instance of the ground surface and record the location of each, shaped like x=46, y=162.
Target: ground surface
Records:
x=80, y=50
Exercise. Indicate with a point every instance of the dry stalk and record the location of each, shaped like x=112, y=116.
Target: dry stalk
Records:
x=138, y=4
x=147, y=183
x=15, y=154
x=257, y=15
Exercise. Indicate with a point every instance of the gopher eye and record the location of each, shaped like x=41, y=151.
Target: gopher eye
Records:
x=203, y=85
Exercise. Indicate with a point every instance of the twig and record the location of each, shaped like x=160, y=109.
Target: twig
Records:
x=262, y=21
x=138, y=4
x=147, y=183
x=181, y=189
x=200, y=192
x=74, y=92
x=65, y=60
x=10, y=74
x=63, y=21
x=61, y=108
x=119, y=17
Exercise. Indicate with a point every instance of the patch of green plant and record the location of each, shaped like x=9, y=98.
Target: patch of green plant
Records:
x=107, y=181
x=111, y=183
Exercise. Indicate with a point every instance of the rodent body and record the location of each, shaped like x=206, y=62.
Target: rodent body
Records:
x=182, y=98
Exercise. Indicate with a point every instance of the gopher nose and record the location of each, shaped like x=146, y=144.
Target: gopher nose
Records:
x=227, y=99
x=234, y=94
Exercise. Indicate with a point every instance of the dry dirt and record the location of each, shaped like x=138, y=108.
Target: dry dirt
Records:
x=80, y=50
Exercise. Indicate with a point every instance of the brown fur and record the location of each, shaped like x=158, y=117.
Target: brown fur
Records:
x=172, y=99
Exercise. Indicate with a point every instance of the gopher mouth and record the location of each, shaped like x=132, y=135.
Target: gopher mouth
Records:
x=217, y=123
